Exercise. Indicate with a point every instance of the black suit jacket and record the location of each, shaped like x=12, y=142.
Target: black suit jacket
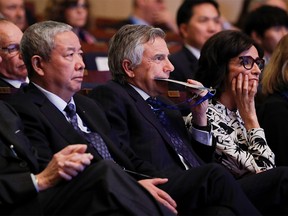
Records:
x=3, y=83
x=273, y=117
x=185, y=64
x=49, y=131
x=137, y=126
x=17, y=191
x=18, y=195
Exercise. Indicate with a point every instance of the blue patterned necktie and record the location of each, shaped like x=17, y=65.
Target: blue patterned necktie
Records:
x=93, y=138
x=177, y=142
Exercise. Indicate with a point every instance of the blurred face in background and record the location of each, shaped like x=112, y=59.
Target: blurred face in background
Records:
x=14, y=11
x=204, y=23
x=77, y=14
x=271, y=38
x=152, y=9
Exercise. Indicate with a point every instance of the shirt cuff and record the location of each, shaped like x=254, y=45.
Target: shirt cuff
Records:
x=201, y=136
x=35, y=182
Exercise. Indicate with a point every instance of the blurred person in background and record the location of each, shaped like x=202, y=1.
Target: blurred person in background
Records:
x=254, y=4
x=14, y=10
x=266, y=25
x=151, y=12
x=74, y=13
x=273, y=113
x=197, y=21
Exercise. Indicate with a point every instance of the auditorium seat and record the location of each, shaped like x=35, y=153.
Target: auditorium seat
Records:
x=7, y=92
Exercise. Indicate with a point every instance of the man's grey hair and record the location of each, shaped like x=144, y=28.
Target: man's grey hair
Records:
x=38, y=39
x=127, y=44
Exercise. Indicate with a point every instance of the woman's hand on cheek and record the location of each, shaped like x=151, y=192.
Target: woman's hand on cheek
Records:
x=244, y=98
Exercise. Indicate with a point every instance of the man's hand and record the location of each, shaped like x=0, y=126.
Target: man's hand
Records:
x=65, y=164
x=160, y=195
x=199, y=111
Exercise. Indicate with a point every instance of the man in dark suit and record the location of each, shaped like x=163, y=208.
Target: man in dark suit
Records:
x=53, y=56
x=197, y=21
x=150, y=12
x=56, y=190
x=12, y=68
x=136, y=57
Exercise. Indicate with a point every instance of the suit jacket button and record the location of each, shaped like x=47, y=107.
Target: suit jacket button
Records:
x=23, y=164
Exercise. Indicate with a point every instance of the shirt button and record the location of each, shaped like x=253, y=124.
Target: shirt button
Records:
x=23, y=164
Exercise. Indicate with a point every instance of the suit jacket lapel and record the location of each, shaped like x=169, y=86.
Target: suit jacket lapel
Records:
x=147, y=112
x=93, y=122
x=86, y=111
x=54, y=116
x=13, y=138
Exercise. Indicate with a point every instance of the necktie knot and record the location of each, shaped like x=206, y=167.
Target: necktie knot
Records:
x=156, y=104
x=93, y=138
x=70, y=110
x=176, y=141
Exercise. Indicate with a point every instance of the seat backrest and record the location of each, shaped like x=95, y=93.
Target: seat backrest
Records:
x=7, y=92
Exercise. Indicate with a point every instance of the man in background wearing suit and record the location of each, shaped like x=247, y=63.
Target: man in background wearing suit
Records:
x=197, y=21
x=12, y=68
x=152, y=126
x=53, y=57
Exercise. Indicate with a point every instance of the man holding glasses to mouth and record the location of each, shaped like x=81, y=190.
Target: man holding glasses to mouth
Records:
x=12, y=68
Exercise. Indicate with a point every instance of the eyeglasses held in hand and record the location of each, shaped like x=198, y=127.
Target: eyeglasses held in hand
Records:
x=248, y=62
x=12, y=48
x=198, y=100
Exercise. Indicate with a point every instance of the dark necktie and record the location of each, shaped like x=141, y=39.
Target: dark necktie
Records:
x=177, y=142
x=93, y=138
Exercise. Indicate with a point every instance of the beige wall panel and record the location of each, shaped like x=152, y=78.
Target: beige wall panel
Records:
x=121, y=8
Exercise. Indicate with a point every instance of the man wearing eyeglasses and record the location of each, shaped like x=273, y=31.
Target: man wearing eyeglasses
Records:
x=12, y=68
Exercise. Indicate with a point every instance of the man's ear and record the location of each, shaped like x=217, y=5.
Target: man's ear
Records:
x=183, y=30
x=126, y=64
x=257, y=38
x=37, y=65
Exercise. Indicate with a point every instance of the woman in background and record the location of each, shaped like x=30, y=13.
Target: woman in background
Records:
x=74, y=13
x=273, y=113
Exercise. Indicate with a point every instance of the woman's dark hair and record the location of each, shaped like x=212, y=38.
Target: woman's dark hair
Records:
x=216, y=55
x=55, y=10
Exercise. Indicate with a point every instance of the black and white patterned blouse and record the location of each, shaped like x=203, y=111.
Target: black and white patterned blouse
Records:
x=241, y=151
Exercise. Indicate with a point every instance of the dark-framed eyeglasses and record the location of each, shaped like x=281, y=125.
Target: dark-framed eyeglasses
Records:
x=248, y=62
x=12, y=48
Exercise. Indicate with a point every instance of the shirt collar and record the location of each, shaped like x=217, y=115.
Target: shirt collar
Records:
x=15, y=83
x=224, y=110
x=143, y=94
x=54, y=99
x=193, y=50
x=136, y=20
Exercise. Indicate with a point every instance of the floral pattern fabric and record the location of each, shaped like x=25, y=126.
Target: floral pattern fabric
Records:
x=241, y=151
